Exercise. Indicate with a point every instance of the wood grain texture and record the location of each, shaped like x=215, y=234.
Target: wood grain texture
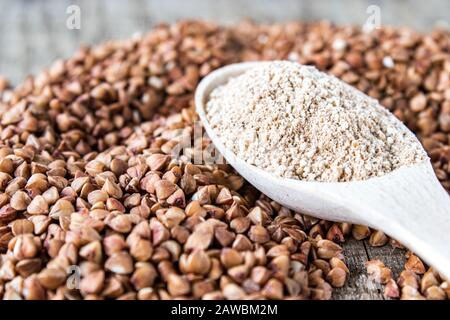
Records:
x=359, y=286
x=33, y=33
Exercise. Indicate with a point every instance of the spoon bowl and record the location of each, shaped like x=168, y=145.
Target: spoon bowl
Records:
x=409, y=204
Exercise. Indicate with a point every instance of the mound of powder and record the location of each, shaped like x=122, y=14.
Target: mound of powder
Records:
x=297, y=122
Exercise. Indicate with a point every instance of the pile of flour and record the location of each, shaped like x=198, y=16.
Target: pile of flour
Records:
x=297, y=122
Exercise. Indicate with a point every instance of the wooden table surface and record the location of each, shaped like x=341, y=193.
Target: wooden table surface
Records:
x=34, y=33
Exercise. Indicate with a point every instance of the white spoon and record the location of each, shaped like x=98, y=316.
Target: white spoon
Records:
x=408, y=204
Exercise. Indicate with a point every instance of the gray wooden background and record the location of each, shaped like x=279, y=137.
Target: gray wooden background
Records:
x=33, y=33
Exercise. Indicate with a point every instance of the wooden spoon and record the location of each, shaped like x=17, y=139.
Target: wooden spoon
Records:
x=409, y=204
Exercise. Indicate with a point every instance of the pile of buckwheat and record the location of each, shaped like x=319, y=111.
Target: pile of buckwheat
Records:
x=94, y=205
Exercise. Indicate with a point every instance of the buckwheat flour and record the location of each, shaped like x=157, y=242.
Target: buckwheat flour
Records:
x=297, y=122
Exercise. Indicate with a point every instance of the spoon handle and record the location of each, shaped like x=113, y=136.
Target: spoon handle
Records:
x=417, y=214
x=426, y=233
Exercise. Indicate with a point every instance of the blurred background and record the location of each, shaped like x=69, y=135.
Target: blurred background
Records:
x=35, y=32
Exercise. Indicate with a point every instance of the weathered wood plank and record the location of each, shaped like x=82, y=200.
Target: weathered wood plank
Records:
x=26, y=27
x=393, y=258
x=359, y=286
x=13, y=44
